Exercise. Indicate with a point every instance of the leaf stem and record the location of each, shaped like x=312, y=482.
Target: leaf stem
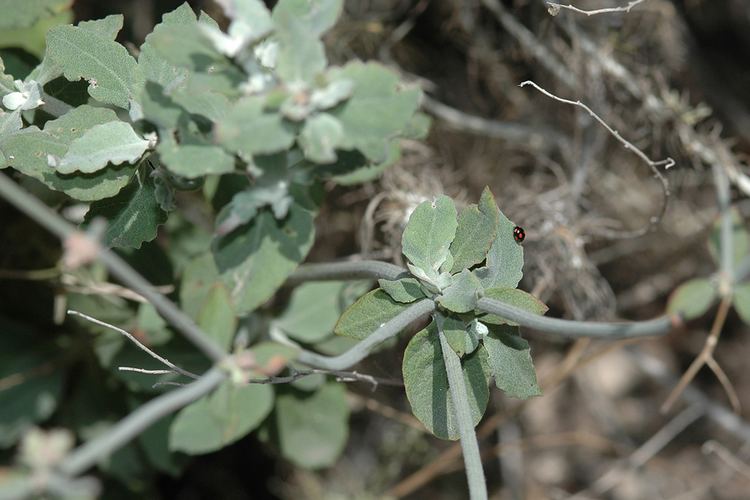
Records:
x=469, y=446
x=129, y=427
x=576, y=329
x=391, y=328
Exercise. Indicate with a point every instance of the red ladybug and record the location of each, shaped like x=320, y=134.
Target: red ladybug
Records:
x=519, y=234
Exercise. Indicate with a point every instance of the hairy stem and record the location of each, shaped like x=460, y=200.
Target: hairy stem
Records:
x=576, y=329
x=129, y=427
x=350, y=270
x=469, y=446
x=391, y=328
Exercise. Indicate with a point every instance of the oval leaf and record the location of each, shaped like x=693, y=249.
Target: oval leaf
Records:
x=426, y=383
x=477, y=229
x=741, y=301
x=113, y=142
x=429, y=233
x=510, y=362
x=367, y=314
x=220, y=418
x=692, y=298
x=405, y=290
x=461, y=295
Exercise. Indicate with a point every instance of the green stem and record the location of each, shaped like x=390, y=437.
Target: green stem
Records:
x=576, y=329
x=350, y=270
x=131, y=426
x=50, y=220
x=726, y=247
x=469, y=446
x=415, y=312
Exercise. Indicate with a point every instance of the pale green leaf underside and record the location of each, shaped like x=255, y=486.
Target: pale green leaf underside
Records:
x=405, y=290
x=217, y=317
x=114, y=142
x=428, y=234
x=461, y=296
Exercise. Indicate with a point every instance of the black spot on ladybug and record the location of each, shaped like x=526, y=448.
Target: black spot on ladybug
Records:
x=519, y=234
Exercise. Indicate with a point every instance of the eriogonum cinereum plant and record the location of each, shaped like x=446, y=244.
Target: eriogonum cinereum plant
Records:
x=455, y=259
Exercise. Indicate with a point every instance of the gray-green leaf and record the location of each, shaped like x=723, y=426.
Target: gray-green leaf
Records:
x=741, y=301
x=429, y=233
x=320, y=137
x=367, y=314
x=114, y=142
x=426, y=383
x=477, y=229
x=692, y=298
x=112, y=73
x=405, y=290
x=220, y=418
x=510, y=362
x=504, y=266
x=256, y=259
x=249, y=129
x=310, y=428
x=462, y=294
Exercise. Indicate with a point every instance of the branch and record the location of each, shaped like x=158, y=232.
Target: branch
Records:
x=554, y=8
x=173, y=367
x=412, y=314
x=462, y=413
x=350, y=270
x=129, y=427
x=576, y=329
x=50, y=220
x=653, y=165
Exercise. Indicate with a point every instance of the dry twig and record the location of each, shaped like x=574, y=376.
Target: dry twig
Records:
x=554, y=8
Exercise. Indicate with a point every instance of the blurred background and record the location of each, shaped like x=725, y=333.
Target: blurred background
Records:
x=672, y=77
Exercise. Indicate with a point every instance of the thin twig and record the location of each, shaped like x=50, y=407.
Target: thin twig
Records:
x=134, y=340
x=727, y=457
x=144, y=371
x=729, y=389
x=653, y=165
x=554, y=8
x=526, y=38
x=645, y=452
x=701, y=359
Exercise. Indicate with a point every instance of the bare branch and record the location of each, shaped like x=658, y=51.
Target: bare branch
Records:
x=653, y=165
x=134, y=340
x=554, y=8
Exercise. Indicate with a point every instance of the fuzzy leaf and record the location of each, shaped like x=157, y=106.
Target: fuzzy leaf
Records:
x=477, y=229
x=376, y=112
x=112, y=73
x=510, y=362
x=194, y=160
x=133, y=216
x=426, y=383
x=320, y=137
x=462, y=294
x=114, y=142
x=692, y=298
x=220, y=418
x=27, y=151
x=23, y=14
x=256, y=259
x=405, y=290
x=428, y=234
x=455, y=332
x=504, y=266
x=367, y=314
x=250, y=130
x=513, y=297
